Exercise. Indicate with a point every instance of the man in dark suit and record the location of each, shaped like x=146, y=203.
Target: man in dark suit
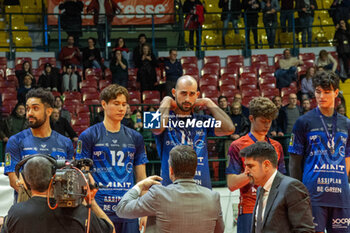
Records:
x=283, y=203
x=180, y=207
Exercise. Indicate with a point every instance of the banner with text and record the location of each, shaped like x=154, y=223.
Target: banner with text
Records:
x=128, y=7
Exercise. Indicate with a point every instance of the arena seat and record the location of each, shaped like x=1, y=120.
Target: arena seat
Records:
x=147, y=95
x=276, y=59
x=227, y=80
x=236, y=60
x=3, y=63
x=135, y=95
x=267, y=78
x=307, y=56
x=259, y=60
x=92, y=102
x=88, y=83
x=103, y=84
x=266, y=69
x=19, y=61
x=108, y=74
x=91, y=96
x=72, y=95
x=190, y=70
x=189, y=59
x=226, y=77
x=132, y=71
x=211, y=60
x=43, y=60
x=247, y=69
x=211, y=68
x=270, y=92
x=210, y=93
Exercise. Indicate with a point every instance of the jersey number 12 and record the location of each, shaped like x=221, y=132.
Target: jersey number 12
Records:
x=120, y=155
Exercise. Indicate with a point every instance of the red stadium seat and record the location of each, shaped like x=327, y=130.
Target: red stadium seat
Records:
x=6, y=109
x=5, y=88
x=313, y=103
x=132, y=102
x=267, y=86
x=108, y=74
x=133, y=85
x=10, y=71
x=307, y=56
x=152, y=101
x=12, y=81
x=211, y=68
x=93, y=72
x=276, y=59
x=208, y=88
x=247, y=82
x=250, y=92
x=247, y=69
x=186, y=65
x=267, y=78
x=56, y=93
x=233, y=70
x=72, y=102
x=91, y=96
x=229, y=93
x=235, y=60
x=211, y=59
x=246, y=100
x=302, y=70
x=19, y=62
x=309, y=63
x=146, y=95
x=72, y=95
x=2, y=73
x=210, y=93
x=266, y=69
x=135, y=95
x=227, y=80
x=259, y=60
x=3, y=64
x=270, y=92
x=81, y=108
x=102, y=84
x=286, y=91
x=92, y=102
x=190, y=70
x=88, y=83
x=190, y=59
x=43, y=60
x=6, y=96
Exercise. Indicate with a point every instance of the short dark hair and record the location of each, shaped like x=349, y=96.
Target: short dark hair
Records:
x=46, y=97
x=37, y=173
x=260, y=151
x=142, y=35
x=326, y=80
x=172, y=50
x=222, y=97
x=93, y=40
x=112, y=91
x=70, y=36
x=183, y=160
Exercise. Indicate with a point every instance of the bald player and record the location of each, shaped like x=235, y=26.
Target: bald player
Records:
x=179, y=125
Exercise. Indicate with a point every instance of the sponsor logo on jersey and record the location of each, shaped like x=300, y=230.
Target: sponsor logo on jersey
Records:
x=340, y=222
x=79, y=146
x=7, y=159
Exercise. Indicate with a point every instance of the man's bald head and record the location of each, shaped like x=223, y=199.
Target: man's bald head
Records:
x=186, y=80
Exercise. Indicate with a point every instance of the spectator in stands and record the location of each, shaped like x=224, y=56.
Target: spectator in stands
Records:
x=289, y=114
x=120, y=45
x=71, y=18
x=50, y=78
x=306, y=105
x=342, y=40
x=92, y=55
x=127, y=120
x=251, y=9
x=223, y=104
x=119, y=69
x=61, y=125
x=305, y=10
x=240, y=122
x=326, y=61
x=173, y=71
x=276, y=129
x=231, y=12
x=287, y=7
x=138, y=120
x=64, y=113
x=307, y=89
x=26, y=70
x=287, y=73
x=238, y=98
x=15, y=123
x=341, y=109
x=137, y=52
x=339, y=11
x=70, y=54
x=104, y=12
x=23, y=90
x=146, y=73
x=269, y=9
x=194, y=18
x=69, y=79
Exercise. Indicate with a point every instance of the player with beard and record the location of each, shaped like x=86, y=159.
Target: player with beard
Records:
x=39, y=138
x=178, y=111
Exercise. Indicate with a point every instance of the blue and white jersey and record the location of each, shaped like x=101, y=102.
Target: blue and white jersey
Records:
x=24, y=144
x=114, y=155
x=324, y=173
x=181, y=133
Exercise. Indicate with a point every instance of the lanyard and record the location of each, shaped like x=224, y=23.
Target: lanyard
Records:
x=255, y=140
x=330, y=137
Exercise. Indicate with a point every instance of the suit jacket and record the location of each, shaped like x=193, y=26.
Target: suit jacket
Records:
x=180, y=207
x=288, y=207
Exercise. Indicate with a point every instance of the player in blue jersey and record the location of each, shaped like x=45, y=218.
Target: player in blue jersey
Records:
x=118, y=153
x=320, y=150
x=179, y=125
x=39, y=138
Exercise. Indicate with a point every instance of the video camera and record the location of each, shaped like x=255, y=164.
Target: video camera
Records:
x=69, y=180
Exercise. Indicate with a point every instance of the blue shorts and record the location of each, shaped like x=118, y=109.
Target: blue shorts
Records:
x=335, y=220
x=127, y=227
x=244, y=223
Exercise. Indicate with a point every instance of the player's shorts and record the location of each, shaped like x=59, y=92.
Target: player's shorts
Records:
x=335, y=220
x=244, y=223
x=127, y=227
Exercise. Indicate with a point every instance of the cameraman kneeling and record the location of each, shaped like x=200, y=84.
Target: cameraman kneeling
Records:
x=35, y=215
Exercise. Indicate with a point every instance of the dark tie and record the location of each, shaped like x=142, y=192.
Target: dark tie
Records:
x=259, y=219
